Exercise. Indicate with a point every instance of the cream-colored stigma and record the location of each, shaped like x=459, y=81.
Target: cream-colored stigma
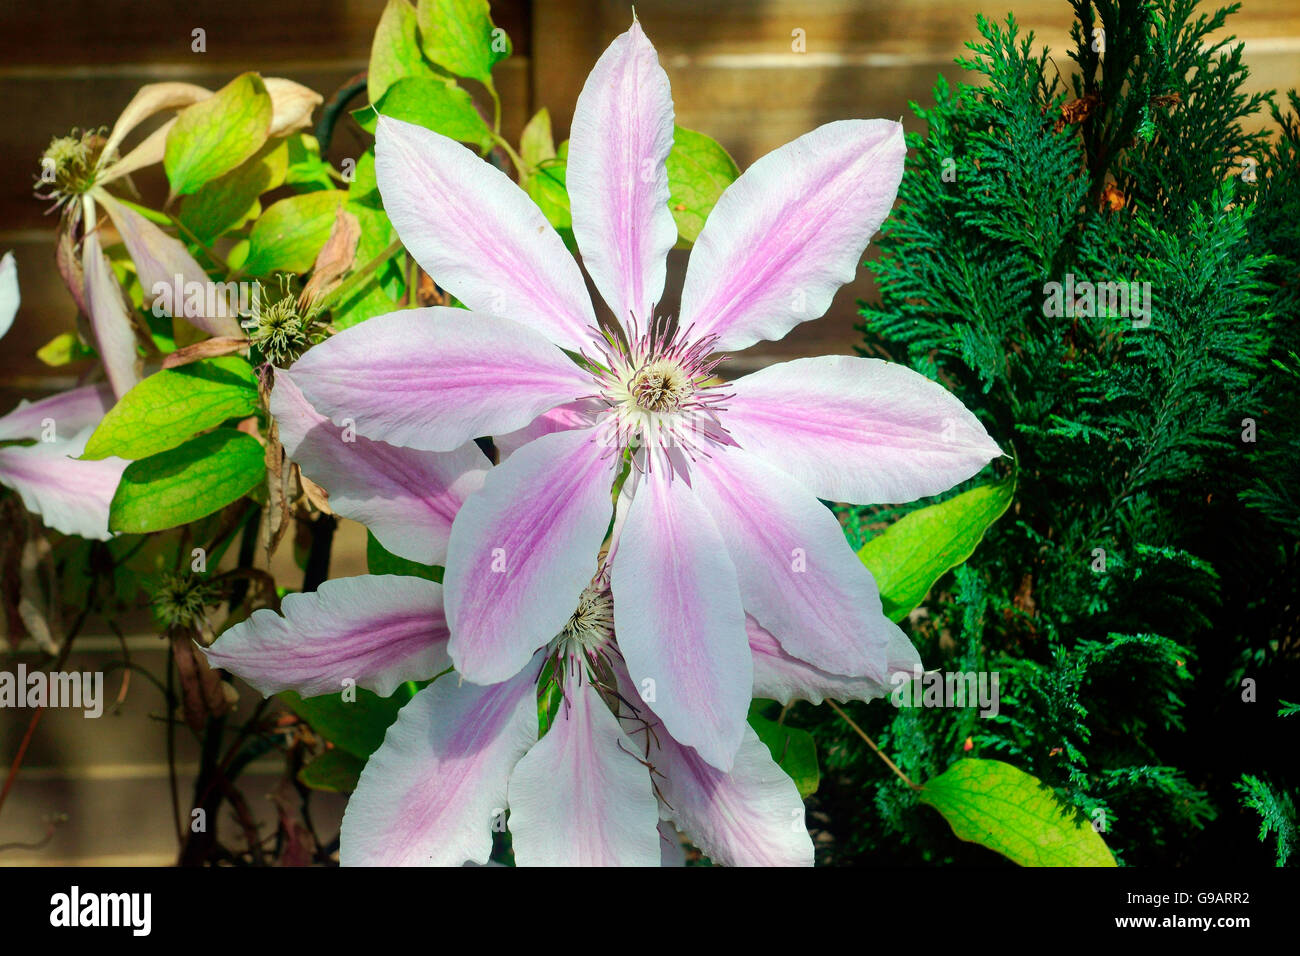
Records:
x=660, y=386
x=69, y=165
x=591, y=626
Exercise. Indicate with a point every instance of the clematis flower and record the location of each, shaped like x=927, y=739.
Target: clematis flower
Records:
x=70, y=496
x=607, y=784
x=77, y=170
x=722, y=516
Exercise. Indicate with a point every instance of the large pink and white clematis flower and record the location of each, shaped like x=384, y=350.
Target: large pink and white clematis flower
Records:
x=723, y=520
x=40, y=443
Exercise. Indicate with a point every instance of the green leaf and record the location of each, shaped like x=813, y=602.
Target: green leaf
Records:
x=289, y=235
x=231, y=200
x=306, y=168
x=395, y=50
x=918, y=549
x=794, y=750
x=548, y=187
x=334, y=771
x=459, y=36
x=379, y=560
x=188, y=482
x=371, y=300
x=357, y=726
x=364, y=187
x=1009, y=811
x=536, y=143
x=433, y=104
x=63, y=349
x=168, y=407
x=215, y=135
x=699, y=169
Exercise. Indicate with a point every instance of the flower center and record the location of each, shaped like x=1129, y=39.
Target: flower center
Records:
x=283, y=330
x=69, y=165
x=591, y=626
x=660, y=398
x=661, y=386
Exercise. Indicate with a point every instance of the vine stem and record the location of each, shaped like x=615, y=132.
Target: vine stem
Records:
x=22, y=752
x=872, y=744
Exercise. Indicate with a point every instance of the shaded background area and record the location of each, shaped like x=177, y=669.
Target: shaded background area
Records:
x=737, y=75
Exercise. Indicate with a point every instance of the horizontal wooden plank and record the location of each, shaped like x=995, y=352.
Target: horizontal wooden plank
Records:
x=103, y=32
x=914, y=28
x=128, y=821
x=735, y=75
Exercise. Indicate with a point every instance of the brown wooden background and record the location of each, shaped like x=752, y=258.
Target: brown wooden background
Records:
x=76, y=63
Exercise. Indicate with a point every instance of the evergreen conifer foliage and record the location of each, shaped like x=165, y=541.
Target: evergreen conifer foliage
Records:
x=1104, y=265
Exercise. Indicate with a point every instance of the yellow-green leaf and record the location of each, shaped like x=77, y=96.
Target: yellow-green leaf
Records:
x=548, y=187
x=459, y=36
x=1009, y=811
x=229, y=201
x=63, y=349
x=915, y=551
x=306, y=168
x=537, y=143
x=215, y=135
x=699, y=169
x=357, y=726
x=395, y=50
x=794, y=750
x=170, y=406
x=288, y=235
x=433, y=104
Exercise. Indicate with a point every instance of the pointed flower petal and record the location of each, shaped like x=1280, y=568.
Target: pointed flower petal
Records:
x=68, y=412
x=437, y=378
x=9, y=295
x=678, y=617
x=790, y=231
x=109, y=320
x=580, y=797
x=781, y=677
x=431, y=795
x=375, y=630
x=160, y=260
x=478, y=234
x=858, y=429
x=70, y=496
x=621, y=136
x=671, y=851
x=752, y=816
x=522, y=549
x=407, y=497
x=291, y=105
x=797, y=573
x=150, y=99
